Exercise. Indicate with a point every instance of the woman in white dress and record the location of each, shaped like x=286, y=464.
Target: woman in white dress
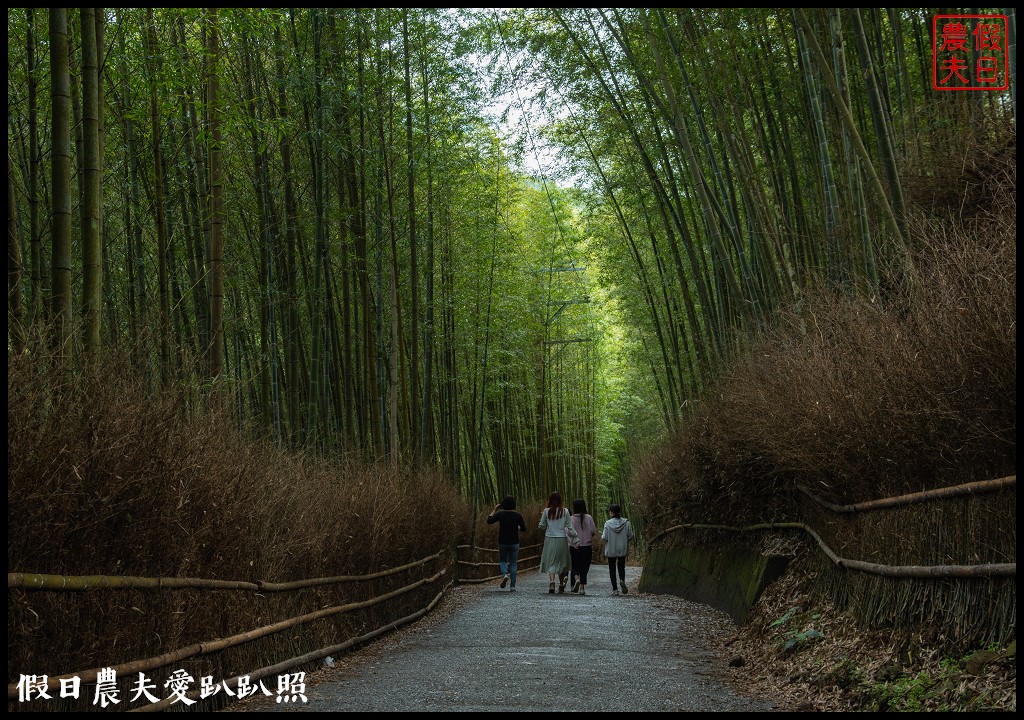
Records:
x=558, y=532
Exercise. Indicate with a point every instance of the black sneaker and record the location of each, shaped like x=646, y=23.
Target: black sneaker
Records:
x=625, y=590
x=504, y=582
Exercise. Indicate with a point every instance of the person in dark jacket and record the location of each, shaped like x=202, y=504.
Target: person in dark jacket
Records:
x=616, y=534
x=509, y=524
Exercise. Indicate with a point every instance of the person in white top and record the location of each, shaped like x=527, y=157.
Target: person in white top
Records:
x=558, y=534
x=616, y=535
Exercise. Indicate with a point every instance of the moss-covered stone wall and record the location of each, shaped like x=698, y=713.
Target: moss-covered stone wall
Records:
x=728, y=577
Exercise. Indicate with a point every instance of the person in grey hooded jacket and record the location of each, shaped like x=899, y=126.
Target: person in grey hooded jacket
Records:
x=616, y=534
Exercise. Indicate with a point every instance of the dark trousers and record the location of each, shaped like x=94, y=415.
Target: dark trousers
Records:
x=581, y=559
x=619, y=562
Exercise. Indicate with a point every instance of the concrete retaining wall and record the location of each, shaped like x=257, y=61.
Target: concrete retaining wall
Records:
x=729, y=578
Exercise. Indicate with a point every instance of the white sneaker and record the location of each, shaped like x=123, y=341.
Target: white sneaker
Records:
x=583, y=590
x=504, y=582
x=615, y=591
x=512, y=589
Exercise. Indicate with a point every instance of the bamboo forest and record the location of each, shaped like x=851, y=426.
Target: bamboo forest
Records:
x=271, y=268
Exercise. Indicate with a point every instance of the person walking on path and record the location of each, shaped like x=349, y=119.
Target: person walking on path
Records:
x=616, y=534
x=582, y=556
x=509, y=524
x=558, y=529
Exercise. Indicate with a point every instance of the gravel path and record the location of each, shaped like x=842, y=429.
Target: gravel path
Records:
x=485, y=649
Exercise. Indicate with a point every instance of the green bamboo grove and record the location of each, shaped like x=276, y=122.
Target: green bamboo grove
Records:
x=310, y=214
x=742, y=157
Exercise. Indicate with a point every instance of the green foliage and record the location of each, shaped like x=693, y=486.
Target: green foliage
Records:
x=792, y=640
x=905, y=694
x=797, y=640
x=785, y=618
x=940, y=688
x=846, y=674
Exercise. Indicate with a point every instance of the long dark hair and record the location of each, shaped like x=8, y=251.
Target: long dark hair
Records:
x=579, y=507
x=555, y=508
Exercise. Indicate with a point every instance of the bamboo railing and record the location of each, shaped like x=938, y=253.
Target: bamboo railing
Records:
x=83, y=583
x=973, y=488
x=62, y=583
x=463, y=578
x=307, y=657
x=897, y=571
x=37, y=581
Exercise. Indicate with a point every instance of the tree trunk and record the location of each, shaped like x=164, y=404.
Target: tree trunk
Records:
x=60, y=184
x=195, y=187
x=414, y=371
x=292, y=328
x=138, y=301
x=40, y=272
x=15, y=332
x=216, y=200
x=158, y=201
x=370, y=384
x=881, y=115
x=426, y=405
x=109, y=301
x=92, y=219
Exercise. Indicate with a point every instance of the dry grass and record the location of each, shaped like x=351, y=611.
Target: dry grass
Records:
x=860, y=398
x=108, y=477
x=865, y=397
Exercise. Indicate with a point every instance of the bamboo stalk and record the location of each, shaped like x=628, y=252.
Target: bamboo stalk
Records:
x=847, y=118
x=492, y=564
x=489, y=578
x=36, y=581
x=973, y=488
x=904, y=571
x=307, y=657
x=483, y=549
x=212, y=646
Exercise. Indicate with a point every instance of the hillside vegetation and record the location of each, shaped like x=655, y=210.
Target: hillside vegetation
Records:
x=862, y=398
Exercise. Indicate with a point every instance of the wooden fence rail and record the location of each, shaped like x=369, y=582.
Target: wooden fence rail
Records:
x=38, y=581
x=81, y=583
x=973, y=488
x=494, y=550
x=521, y=562
x=903, y=571
x=211, y=646
x=277, y=669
